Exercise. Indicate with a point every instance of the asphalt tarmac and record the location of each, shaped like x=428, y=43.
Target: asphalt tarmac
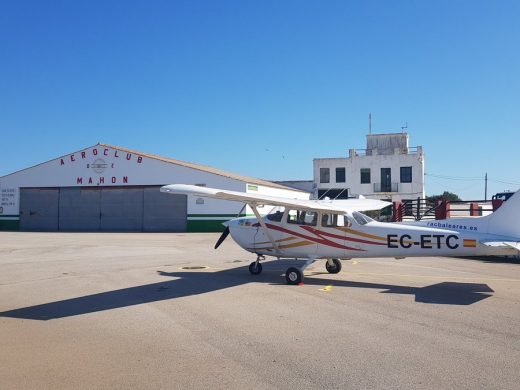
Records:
x=166, y=311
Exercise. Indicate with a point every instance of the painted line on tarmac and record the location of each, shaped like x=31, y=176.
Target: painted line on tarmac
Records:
x=326, y=289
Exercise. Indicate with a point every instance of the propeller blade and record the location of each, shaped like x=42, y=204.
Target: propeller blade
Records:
x=222, y=237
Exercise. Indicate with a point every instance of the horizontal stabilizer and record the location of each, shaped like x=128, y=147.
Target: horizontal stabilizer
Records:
x=503, y=244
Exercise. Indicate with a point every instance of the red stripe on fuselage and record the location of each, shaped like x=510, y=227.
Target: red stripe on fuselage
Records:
x=320, y=240
x=321, y=232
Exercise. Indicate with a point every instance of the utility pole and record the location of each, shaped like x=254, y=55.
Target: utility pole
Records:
x=485, y=188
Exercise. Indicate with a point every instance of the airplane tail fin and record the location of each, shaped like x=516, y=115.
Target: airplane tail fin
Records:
x=506, y=220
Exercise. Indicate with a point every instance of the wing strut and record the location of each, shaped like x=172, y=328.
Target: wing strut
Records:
x=264, y=226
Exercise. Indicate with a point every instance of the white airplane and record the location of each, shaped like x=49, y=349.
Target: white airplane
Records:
x=335, y=230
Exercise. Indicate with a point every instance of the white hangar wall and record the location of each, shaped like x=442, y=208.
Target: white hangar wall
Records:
x=100, y=179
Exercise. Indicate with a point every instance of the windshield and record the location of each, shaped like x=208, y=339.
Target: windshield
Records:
x=362, y=219
x=276, y=214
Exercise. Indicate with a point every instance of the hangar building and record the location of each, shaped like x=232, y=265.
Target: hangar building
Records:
x=107, y=188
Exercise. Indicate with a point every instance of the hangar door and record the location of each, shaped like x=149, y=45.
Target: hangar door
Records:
x=79, y=209
x=39, y=209
x=123, y=209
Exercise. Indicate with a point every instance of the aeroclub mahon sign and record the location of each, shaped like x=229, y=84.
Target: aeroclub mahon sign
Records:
x=101, y=166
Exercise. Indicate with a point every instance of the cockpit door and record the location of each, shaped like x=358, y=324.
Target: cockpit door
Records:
x=333, y=228
x=262, y=242
x=300, y=236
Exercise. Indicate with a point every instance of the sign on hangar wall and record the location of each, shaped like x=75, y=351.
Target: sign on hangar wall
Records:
x=99, y=165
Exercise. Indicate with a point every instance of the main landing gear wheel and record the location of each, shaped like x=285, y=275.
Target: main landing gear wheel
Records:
x=255, y=268
x=333, y=268
x=293, y=275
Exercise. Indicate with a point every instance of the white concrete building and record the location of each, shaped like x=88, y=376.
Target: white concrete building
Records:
x=387, y=169
x=107, y=188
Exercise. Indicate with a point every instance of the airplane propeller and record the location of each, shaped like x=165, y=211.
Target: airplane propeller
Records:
x=225, y=233
x=221, y=239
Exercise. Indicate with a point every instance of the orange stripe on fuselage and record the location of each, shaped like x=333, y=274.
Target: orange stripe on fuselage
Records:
x=318, y=239
x=288, y=246
x=296, y=244
x=280, y=240
x=327, y=234
x=351, y=231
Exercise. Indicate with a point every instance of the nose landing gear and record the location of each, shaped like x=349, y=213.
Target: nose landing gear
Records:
x=255, y=268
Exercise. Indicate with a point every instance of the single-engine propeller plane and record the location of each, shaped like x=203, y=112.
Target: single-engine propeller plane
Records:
x=337, y=230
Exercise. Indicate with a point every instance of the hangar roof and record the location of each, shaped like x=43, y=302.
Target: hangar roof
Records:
x=185, y=164
x=204, y=168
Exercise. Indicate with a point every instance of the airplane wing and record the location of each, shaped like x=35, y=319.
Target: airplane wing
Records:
x=334, y=206
x=503, y=244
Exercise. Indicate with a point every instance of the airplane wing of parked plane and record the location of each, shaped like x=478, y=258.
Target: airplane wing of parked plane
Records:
x=333, y=206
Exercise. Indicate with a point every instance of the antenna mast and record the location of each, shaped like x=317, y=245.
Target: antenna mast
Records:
x=370, y=123
x=485, y=187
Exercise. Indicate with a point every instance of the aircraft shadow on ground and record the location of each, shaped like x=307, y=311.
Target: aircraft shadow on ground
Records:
x=492, y=259
x=189, y=283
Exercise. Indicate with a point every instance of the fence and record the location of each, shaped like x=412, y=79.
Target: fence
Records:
x=420, y=209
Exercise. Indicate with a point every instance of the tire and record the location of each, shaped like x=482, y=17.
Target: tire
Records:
x=293, y=276
x=335, y=268
x=255, y=269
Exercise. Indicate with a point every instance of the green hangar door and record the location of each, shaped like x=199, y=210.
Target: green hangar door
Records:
x=107, y=209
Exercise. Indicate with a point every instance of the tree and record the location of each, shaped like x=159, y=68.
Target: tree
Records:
x=446, y=196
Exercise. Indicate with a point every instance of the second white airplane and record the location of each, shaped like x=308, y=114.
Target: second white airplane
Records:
x=334, y=230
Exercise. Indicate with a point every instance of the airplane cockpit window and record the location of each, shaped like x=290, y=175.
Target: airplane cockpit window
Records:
x=334, y=220
x=301, y=217
x=310, y=218
x=276, y=214
x=329, y=220
x=362, y=219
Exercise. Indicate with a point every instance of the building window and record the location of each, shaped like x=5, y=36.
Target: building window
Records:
x=406, y=174
x=340, y=175
x=365, y=175
x=324, y=175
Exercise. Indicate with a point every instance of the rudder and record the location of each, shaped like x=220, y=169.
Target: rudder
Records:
x=506, y=220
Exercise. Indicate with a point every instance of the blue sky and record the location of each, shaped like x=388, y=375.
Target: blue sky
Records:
x=261, y=88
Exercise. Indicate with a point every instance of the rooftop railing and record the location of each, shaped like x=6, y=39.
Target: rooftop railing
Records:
x=374, y=152
x=386, y=187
